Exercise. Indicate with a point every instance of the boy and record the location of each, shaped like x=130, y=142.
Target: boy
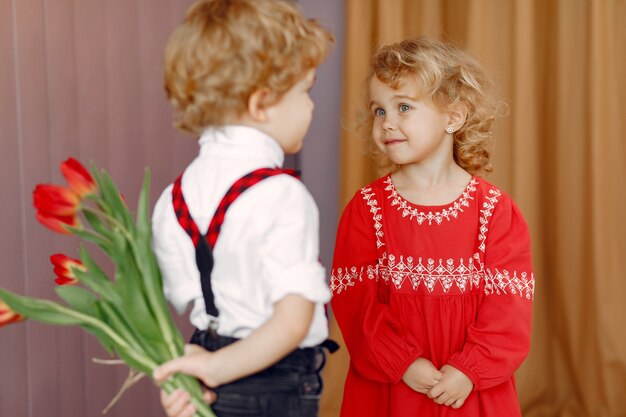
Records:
x=238, y=73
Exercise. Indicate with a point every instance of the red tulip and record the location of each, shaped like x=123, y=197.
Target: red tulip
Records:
x=58, y=223
x=54, y=200
x=78, y=178
x=56, y=207
x=64, y=267
x=7, y=315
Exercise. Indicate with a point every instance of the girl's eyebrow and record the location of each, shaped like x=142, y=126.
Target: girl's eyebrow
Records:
x=398, y=97
x=404, y=96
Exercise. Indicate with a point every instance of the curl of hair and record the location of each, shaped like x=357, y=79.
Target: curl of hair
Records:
x=447, y=76
x=225, y=50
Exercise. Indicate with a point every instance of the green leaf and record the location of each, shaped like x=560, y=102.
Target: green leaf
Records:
x=49, y=312
x=115, y=320
x=95, y=174
x=138, y=311
x=90, y=237
x=143, y=213
x=94, y=220
x=40, y=310
x=79, y=299
x=113, y=204
x=95, y=279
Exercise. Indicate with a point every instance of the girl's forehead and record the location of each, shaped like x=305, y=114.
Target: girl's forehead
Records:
x=404, y=85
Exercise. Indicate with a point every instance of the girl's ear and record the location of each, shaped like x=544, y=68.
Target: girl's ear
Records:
x=257, y=108
x=457, y=115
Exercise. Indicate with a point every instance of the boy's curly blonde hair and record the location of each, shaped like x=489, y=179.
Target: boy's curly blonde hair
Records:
x=447, y=76
x=227, y=49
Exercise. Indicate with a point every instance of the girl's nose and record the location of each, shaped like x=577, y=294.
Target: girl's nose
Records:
x=388, y=125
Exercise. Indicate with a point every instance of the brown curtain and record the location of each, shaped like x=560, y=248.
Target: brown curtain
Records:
x=561, y=66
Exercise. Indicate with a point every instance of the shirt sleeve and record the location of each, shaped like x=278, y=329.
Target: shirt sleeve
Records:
x=290, y=245
x=499, y=340
x=380, y=349
x=175, y=253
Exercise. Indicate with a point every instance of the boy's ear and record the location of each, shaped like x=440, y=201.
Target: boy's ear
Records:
x=257, y=108
x=457, y=115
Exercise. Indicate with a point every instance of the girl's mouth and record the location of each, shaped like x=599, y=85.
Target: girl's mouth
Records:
x=390, y=142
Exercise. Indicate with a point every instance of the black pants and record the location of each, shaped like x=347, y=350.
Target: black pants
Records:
x=290, y=388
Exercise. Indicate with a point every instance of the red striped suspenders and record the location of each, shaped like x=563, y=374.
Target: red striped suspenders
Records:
x=204, y=244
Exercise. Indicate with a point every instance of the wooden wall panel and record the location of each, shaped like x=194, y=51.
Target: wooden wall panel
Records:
x=83, y=78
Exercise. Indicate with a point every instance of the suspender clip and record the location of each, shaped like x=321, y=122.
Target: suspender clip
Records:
x=212, y=329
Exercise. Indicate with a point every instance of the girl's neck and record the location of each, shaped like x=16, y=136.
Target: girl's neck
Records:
x=429, y=186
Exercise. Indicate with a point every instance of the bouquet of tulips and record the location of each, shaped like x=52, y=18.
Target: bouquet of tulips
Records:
x=128, y=313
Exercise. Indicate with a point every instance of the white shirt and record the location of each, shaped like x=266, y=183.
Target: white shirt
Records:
x=268, y=246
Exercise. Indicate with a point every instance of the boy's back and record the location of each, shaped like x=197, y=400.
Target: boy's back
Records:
x=267, y=247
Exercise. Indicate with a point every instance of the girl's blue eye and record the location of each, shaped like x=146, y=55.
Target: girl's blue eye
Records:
x=404, y=108
x=379, y=112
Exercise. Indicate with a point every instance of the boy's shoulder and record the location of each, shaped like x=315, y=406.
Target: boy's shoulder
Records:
x=279, y=191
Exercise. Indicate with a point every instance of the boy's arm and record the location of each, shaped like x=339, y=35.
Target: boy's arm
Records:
x=275, y=339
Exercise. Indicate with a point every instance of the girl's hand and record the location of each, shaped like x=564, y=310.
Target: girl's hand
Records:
x=453, y=388
x=177, y=404
x=421, y=375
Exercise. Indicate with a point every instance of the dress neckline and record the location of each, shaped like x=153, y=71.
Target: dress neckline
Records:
x=431, y=214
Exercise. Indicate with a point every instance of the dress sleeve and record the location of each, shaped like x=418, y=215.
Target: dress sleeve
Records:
x=379, y=348
x=499, y=340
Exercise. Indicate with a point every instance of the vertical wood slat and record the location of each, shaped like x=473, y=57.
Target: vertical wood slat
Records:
x=63, y=141
x=13, y=361
x=33, y=122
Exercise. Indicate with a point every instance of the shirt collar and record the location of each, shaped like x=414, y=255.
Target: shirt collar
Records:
x=243, y=141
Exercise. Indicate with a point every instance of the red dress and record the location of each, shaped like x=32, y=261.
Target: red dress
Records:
x=453, y=284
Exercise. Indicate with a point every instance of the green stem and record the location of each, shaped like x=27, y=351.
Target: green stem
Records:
x=202, y=408
x=161, y=318
x=112, y=220
x=147, y=362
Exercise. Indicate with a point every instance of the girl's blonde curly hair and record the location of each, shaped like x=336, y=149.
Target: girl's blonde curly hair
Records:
x=447, y=75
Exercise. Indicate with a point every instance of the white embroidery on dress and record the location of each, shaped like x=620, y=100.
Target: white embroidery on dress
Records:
x=369, y=196
x=501, y=282
x=464, y=274
x=438, y=216
x=486, y=212
x=343, y=278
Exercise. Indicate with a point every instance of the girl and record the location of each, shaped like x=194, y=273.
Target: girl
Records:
x=432, y=279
